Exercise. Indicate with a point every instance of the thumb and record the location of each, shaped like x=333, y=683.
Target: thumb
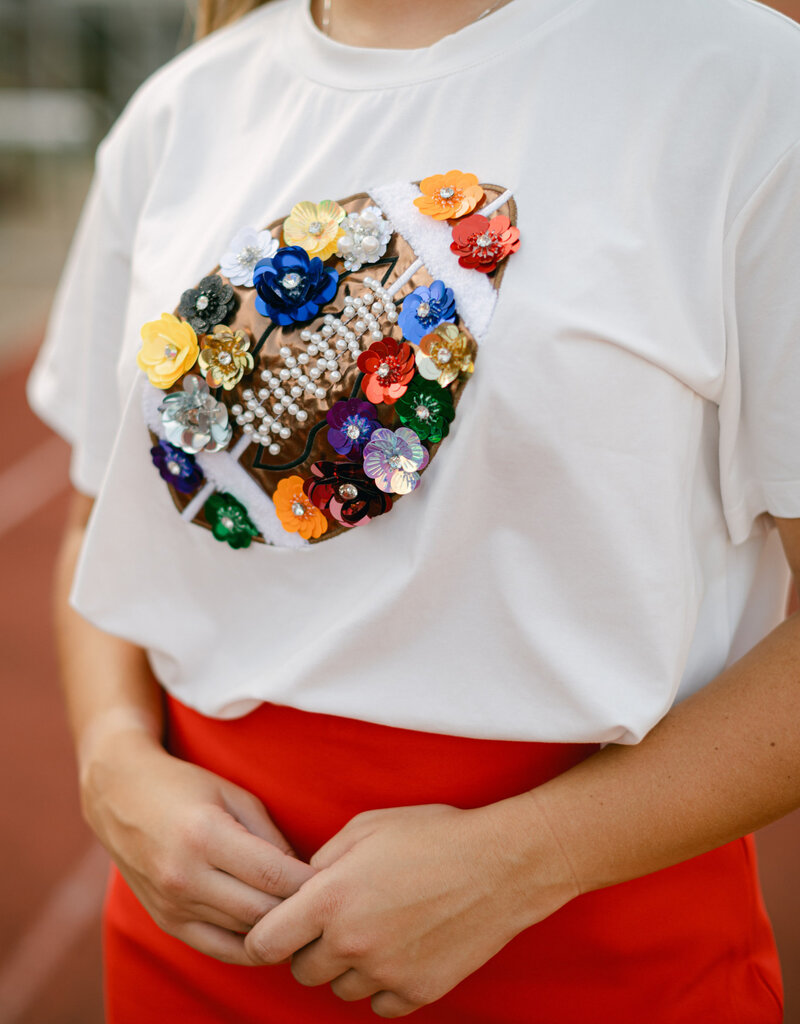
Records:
x=250, y=812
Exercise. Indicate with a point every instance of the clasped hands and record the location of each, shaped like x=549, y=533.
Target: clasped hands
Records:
x=399, y=906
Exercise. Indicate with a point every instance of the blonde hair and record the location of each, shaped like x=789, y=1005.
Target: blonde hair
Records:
x=213, y=14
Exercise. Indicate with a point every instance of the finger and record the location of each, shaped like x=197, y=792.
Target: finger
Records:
x=239, y=901
x=388, y=1004
x=351, y=986
x=256, y=862
x=250, y=812
x=217, y=942
x=344, y=840
x=313, y=965
x=284, y=930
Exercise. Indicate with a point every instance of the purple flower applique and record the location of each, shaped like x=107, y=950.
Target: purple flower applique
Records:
x=351, y=423
x=176, y=467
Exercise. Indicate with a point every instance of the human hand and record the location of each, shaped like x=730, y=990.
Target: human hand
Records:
x=409, y=901
x=200, y=853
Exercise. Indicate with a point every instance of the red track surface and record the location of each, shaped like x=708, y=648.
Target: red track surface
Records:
x=52, y=870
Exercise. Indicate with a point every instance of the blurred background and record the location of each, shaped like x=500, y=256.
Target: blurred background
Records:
x=67, y=67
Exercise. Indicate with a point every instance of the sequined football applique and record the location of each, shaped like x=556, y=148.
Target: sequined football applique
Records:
x=302, y=388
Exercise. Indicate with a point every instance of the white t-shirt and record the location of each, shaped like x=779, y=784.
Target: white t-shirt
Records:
x=592, y=540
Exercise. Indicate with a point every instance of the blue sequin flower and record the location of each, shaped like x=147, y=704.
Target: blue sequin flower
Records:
x=177, y=467
x=352, y=423
x=292, y=287
x=426, y=308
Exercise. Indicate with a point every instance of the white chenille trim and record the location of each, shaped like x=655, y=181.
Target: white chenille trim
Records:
x=224, y=473
x=430, y=239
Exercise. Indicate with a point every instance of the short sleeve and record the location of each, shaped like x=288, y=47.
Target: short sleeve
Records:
x=760, y=403
x=73, y=385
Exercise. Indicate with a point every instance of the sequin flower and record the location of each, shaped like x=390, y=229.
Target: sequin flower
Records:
x=364, y=238
x=481, y=243
x=444, y=196
x=296, y=511
x=224, y=357
x=176, y=467
x=169, y=349
x=345, y=492
x=315, y=227
x=393, y=458
x=426, y=308
x=194, y=420
x=427, y=408
x=351, y=424
x=387, y=366
x=292, y=287
x=229, y=520
x=245, y=249
x=211, y=302
x=445, y=354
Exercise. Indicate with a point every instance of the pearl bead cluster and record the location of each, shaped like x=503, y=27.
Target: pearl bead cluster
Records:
x=268, y=411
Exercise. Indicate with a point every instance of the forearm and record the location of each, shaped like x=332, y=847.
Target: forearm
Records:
x=107, y=683
x=721, y=764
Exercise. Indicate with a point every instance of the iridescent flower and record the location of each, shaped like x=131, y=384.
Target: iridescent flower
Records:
x=176, y=467
x=315, y=227
x=344, y=491
x=229, y=521
x=351, y=424
x=393, y=459
x=194, y=420
x=364, y=237
x=245, y=249
x=444, y=196
x=481, y=243
x=224, y=357
x=169, y=349
x=426, y=308
x=445, y=354
x=296, y=511
x=387, y=366
x=292, y=287
x=427, y=408
x=211, y=302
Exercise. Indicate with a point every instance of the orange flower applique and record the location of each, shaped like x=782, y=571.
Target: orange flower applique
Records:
x=296, y=511
x=445, y=196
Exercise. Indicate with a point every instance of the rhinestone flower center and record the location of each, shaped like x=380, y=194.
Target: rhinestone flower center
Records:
x=348, y=491
x=423, y=310
x=447, y=192
x=384, y=370
x=202, y=302
x=224, y=358
x=298, y=508
x=170, y=351
x=290, y=281
x=227, y=522
x=315, y=228
x=353, y=431
x=250, y=254
x=483, y=240
x=422, y=412
x=394, y=461
x=174, y=467
x=444, y=355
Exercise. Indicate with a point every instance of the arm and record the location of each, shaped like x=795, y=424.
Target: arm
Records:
x=200, y=853
x=409, y=901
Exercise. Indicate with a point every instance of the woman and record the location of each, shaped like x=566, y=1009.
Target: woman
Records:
x=489, y=756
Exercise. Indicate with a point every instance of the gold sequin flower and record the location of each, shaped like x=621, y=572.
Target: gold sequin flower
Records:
x=296, y=511
x=224, y=357
x=315, y=227
x=445, y=354
x=169, y=349
x=445, y=196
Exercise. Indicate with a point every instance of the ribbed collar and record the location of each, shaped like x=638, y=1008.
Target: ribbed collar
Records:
x=366, y=68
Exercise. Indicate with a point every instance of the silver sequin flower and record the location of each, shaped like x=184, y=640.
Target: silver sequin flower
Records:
x=194, y=420
x=365, y=237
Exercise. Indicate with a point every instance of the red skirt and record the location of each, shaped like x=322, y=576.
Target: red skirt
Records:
x=688, y=944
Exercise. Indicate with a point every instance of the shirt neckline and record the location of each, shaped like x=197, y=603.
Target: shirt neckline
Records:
x=329, y=62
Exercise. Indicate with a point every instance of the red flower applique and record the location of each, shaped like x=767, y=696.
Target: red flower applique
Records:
x=388, y=366
x=481, y=243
